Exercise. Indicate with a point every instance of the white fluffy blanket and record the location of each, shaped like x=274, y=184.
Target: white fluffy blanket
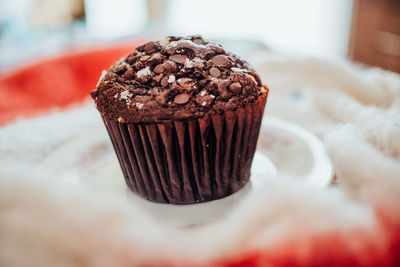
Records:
x=49, y=218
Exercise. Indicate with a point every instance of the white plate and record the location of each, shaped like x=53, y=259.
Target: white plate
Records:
x=283, y=149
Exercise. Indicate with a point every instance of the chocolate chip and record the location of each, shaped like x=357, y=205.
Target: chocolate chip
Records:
x=131, y=59
x=223, y=94
x=164, y=81
x=222, y=84
x=170, y=66
x=208, y=54
x=220, y=60
x=150, y=48
x=203, y=82
x=215, y=72
x=121, y=69
x=162, y=97
x=140, y=48
x=235, y=88
x=181, y=59
x=218, y=49
x=198, y=40
x=159, y=68
x=181, y=98
x=158, y=78
x=129, y=74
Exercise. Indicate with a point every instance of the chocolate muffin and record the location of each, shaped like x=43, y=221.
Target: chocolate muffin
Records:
x=184, y=116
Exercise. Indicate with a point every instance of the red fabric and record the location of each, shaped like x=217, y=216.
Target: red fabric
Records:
x=55, y=82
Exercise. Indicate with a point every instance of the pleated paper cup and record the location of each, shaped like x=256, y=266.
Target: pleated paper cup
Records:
x=190, y=161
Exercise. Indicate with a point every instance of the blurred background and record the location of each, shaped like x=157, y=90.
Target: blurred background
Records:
x=366, y=31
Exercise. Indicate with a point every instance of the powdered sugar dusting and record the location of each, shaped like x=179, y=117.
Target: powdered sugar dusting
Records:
x=238, y=69
x=191, y=63
x=171, y=78
x=172, y=44
x=139, y=105
x=143, y=72
x=188, y=63
x=184, y=41
x=164, y=42
x=123, y=63
x=126, y=95
x=103, y=74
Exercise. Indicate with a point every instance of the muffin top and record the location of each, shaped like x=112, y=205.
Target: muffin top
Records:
x=175, y=78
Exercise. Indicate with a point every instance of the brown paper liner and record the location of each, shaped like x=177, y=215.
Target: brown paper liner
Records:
x=188, y=161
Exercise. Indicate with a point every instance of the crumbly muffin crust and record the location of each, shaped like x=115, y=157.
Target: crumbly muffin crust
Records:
x=176, y=78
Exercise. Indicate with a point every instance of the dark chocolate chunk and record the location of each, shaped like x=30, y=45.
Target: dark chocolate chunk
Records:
x=235, y=88
x=222, y=89
x=181, y=59
x=131, y=59
x=209, y=53
x=220, y=60
x=181, y=98
x=158, y=78
x=215, y=72
x=164, y=81
x=198, y=40
x=150, y=48
x=129, y=74
x=170, y=66
x=121, y=69
x=159, y=68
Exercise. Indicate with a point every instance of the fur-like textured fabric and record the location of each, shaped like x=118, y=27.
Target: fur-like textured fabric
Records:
x=53, y=220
